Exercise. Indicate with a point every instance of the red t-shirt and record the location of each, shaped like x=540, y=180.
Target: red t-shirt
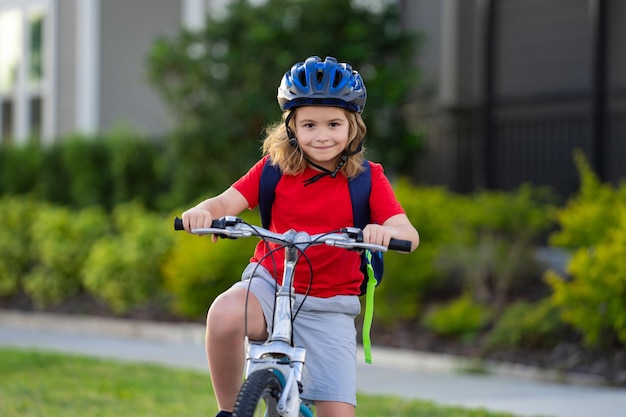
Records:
x=320, y=207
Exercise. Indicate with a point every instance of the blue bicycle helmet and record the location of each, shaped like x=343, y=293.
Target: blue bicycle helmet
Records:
x=322, y=83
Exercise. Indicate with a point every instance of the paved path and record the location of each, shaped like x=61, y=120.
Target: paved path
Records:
x=401, y=373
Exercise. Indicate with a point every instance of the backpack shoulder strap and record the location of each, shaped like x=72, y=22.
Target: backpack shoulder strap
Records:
x=270, y=175
x=360, y=188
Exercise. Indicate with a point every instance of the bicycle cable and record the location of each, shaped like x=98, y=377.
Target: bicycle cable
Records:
x=270, y=254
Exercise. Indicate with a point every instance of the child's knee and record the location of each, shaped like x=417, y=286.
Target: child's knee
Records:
x=225, y=316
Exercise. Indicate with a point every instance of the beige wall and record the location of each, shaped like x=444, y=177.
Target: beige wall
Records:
x=65, y=99
x=128, y=29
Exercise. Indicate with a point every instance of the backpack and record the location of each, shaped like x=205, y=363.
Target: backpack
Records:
x=359, y=186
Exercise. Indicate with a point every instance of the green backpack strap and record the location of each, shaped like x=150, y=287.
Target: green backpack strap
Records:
x=369, y=308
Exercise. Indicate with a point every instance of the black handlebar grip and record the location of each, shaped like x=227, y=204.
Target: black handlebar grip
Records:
x=400, y=245
x=178, y=223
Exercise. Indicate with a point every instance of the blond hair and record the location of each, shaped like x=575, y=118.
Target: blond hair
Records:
x=290, y=159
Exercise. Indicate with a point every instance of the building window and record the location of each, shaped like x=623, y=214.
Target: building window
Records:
x=35, y=73
x=6, y=116
x=10, y=49
x=22, y=70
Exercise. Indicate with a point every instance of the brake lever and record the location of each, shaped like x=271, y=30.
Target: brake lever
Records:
x=353, y=233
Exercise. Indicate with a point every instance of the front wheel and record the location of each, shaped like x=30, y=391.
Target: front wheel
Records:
x=259, y=394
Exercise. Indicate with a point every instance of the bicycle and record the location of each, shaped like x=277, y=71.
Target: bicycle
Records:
x=272, y=382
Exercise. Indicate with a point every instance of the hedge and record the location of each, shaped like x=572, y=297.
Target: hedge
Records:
x=125, y=253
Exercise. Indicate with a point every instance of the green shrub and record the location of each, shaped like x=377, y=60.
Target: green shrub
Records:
x=408, y=278
x=527, y=325
x=53, y=183
x=123, y=268
x=61, y=240
x=593, y=301
x=590, y=215
x=592, y=297
x=468, y=243
x=520, y=213
x=197, y=270
x=500, y=230
x=86, y=162
x=462, y=318
x=20, y=167
x=137, y=168
x=16, y=217
x=494, y=269
x=79, y=171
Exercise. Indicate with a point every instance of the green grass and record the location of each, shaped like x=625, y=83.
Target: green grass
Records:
x=42, y=384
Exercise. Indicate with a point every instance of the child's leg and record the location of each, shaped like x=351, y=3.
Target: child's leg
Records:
x=225, y=341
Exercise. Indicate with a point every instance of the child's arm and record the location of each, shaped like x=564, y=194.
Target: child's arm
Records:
x=398, y=227
x=230, y=203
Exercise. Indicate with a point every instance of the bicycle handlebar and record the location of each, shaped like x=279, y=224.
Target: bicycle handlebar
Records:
x=348, y=238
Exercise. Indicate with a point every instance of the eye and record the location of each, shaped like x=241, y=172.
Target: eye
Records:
x=309, y=125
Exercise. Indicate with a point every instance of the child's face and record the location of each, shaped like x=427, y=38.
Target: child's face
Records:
x=322, y=133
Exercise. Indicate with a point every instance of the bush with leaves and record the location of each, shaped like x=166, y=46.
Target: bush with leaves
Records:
x=501, y=232
x=462, y=318
x=81, y=171
x=409, y=278
x=593, y=227
x=123, y=268
x=223, y=90
x=20, y=168
x=117, y=168
x=197, y=270
x=593, y=301
x=482, y=243
x=138, y=169
x=528, y=325
x=61, y=240
x=16, y=257
x=590, y=215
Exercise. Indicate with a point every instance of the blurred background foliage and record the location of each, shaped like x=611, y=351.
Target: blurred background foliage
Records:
x=221, y=82
x=81, y=171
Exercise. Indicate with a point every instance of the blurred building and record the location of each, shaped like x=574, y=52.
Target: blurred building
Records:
x=71, y=66
x=514, y=86
x=510, y=87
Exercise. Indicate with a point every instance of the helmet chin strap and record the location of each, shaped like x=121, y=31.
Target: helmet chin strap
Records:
x=344, y=156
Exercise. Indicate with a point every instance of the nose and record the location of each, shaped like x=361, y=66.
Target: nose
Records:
x=323, y=135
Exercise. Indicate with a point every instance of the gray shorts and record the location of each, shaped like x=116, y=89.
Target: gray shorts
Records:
x=325, y=328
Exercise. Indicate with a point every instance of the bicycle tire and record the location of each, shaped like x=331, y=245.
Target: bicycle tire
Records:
x=259, y=394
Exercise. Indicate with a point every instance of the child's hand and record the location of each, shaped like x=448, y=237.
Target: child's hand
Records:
x=396, y=227
x=197, y=218
x=378, y=234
